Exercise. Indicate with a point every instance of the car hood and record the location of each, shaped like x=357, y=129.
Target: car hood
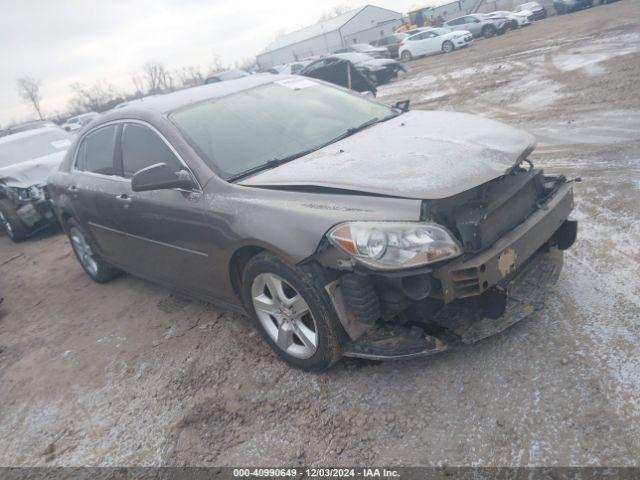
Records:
x=31, y=172
x=456, y=34
x=376, y=63
x=421, y=155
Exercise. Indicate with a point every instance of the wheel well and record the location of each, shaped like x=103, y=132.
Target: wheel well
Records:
x=65, y=216
x=238, y=261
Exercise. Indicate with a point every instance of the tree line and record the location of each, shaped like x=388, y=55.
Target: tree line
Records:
x=153, y=78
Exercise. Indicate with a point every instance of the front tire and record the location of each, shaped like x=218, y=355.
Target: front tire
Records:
x=406, y=56
x=292, y=312
x=448, y=47
x=92, y=264
x=11, y=223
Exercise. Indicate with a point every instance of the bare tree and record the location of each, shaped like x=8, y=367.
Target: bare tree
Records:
x=29, y=91
x=157, y=77
x=138, y=84
x=335, y=11
x=246, y=64
x=216, y=65
x=96, y=97
x=190, y=76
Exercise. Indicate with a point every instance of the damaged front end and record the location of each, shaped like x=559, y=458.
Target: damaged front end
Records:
x=510, y=232
x=32, y=204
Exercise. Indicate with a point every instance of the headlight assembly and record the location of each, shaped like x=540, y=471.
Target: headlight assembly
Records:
x=394, y=245
x=32, y=193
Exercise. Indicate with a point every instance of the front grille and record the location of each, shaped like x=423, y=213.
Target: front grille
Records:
x=499, y=206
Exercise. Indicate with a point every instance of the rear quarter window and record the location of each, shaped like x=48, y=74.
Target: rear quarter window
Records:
x=95, y=153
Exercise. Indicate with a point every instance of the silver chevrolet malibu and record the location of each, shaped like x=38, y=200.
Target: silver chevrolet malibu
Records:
x=341, y=225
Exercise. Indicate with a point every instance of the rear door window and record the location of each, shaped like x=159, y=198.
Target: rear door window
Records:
x=95, y=154
x=142, y=147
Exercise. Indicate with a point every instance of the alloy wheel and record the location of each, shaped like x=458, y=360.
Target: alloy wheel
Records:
x=285, y=315
x=83, y=251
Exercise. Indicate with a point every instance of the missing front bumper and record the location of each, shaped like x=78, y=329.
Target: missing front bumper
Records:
x=463, y=321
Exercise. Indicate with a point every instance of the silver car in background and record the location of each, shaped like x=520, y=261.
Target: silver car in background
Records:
x=479, y=25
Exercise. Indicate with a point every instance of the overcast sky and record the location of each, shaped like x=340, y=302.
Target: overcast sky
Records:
x=60, y=42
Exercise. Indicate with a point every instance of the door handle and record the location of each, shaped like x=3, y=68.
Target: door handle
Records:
x=124, y=198
x=72, y=189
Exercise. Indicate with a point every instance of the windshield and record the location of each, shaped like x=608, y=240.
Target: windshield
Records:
x=248, y=129
x=30, y=147
x=440, y=31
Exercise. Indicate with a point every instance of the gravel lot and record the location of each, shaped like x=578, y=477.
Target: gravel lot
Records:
x=130, y=374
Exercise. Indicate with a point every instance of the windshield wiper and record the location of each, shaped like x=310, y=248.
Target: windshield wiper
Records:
x=279, y=161
x=270, y=164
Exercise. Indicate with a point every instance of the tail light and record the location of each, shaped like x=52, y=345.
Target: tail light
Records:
x=401, y=44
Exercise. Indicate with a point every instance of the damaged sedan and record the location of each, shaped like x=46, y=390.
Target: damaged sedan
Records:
x=277, y=196
x=26, y=160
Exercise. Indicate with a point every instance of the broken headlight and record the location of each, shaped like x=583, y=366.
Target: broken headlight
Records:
x=32, y=193
x=394, y=245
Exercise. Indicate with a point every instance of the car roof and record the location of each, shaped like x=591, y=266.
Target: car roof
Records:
x=172, y=101
x=29, y=133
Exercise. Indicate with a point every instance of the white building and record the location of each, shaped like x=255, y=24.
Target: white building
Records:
x=362, y=25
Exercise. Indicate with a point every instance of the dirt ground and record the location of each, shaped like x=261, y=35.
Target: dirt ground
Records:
x=129, y=374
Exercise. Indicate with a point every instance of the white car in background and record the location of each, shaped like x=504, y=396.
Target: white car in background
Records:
x=433, y=40
x=514, y=19
x=74, y=124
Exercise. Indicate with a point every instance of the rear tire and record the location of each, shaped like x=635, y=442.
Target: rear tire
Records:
x=448, y=47
x=406, y=56
x=91, y=263
x=11, y=223
x=292, y=312
x=488, y=31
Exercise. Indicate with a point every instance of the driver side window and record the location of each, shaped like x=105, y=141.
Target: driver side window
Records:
x=142, y=147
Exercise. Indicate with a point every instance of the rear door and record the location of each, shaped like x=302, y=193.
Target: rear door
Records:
x=168, y=238
x=96, y=192
x=472, y=24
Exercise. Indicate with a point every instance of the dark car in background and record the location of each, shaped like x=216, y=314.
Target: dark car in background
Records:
x=343, y=227
x=372, y=51
x=378, y=70
x=227, y=75
x=27, y=159
x=391, y=43
x=538, y=12
x=340, y=72
x=567, y=6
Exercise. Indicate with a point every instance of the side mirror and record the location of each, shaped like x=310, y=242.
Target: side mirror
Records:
x=160, y=177
x=402, y=105
x=476, y=20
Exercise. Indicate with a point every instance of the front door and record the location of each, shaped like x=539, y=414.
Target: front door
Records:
x=167, y=234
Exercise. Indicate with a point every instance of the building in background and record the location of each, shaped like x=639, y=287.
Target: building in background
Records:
x=362, y=25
